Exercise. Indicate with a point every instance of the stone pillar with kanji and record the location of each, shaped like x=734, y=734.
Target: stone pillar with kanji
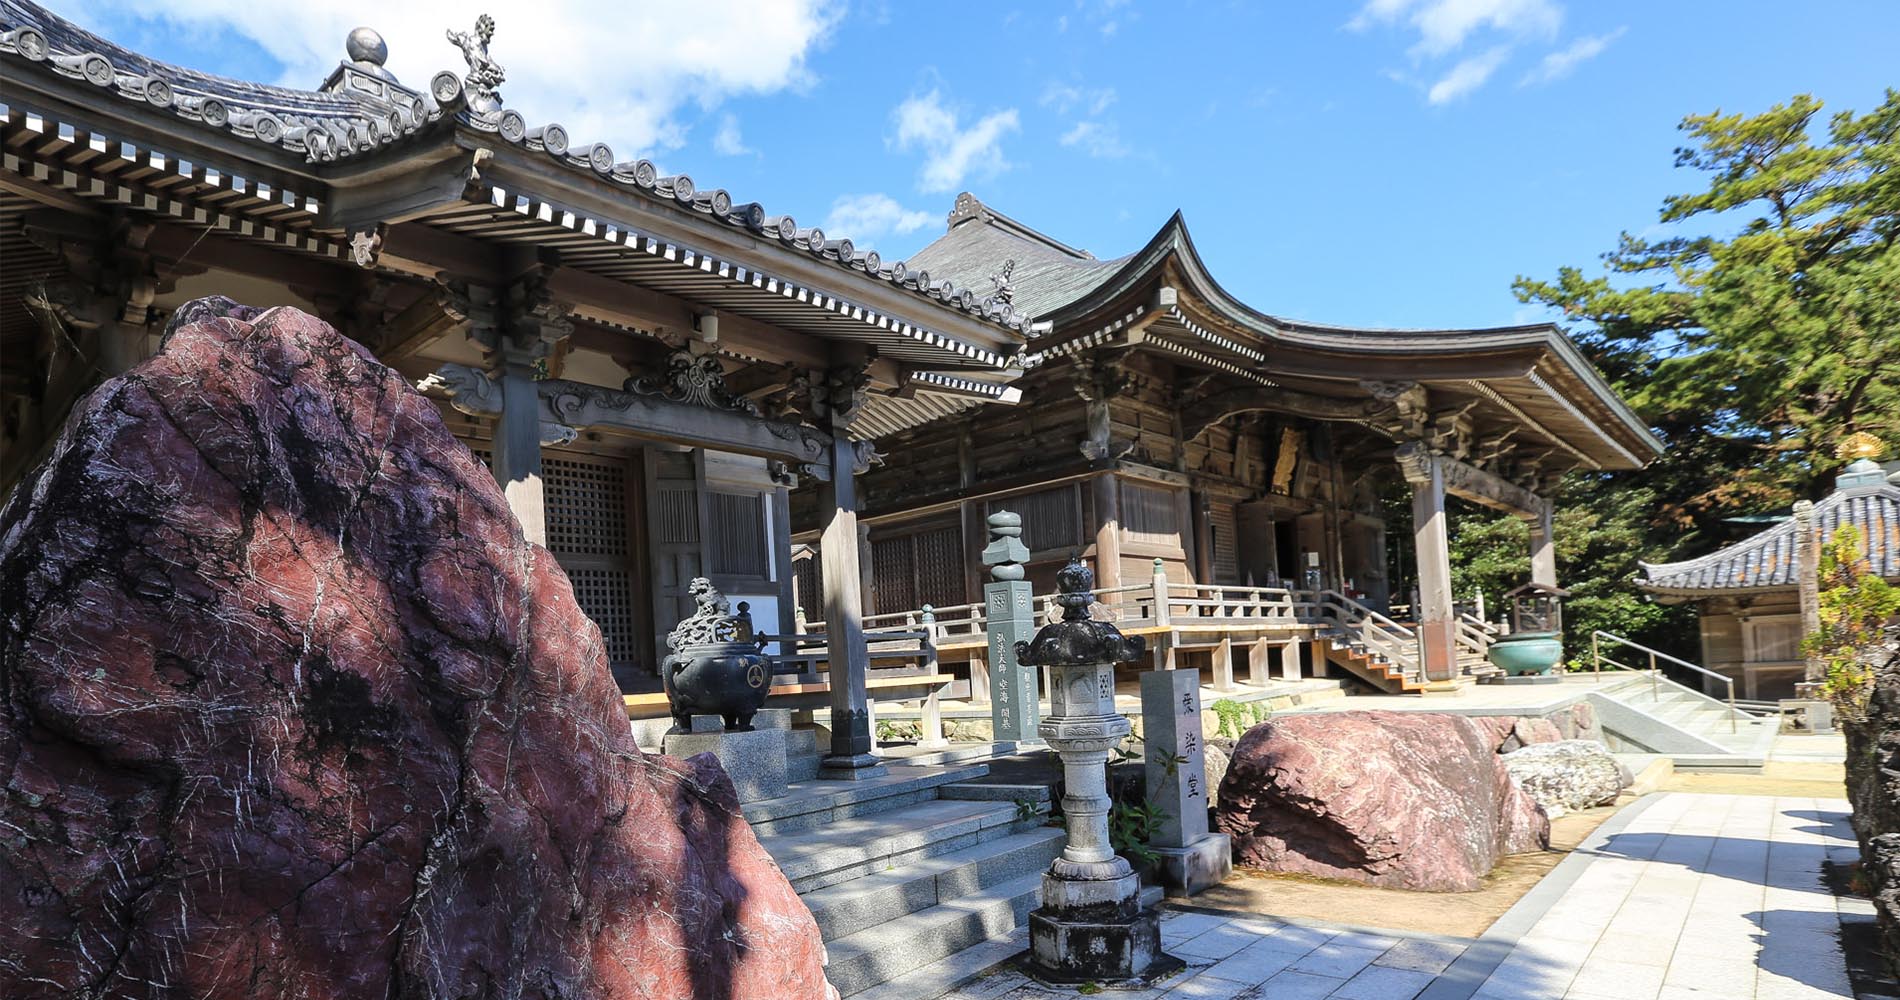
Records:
x=1010, y=616
x=1191, y=858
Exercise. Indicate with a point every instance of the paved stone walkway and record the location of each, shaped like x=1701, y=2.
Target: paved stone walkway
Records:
x=1680, y=896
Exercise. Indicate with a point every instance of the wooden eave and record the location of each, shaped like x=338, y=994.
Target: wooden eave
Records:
x=1523, y=375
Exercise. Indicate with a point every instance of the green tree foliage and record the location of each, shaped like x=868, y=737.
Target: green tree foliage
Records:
x=1856, y=605
x=1752, y=346
x=1601, y=530
x=1756, y=346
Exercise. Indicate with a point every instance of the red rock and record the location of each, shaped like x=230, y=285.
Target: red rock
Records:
x=1408, y=800
x=292, y=709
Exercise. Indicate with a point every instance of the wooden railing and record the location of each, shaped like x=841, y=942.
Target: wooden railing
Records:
x=1163, y=603
x=1396, y=642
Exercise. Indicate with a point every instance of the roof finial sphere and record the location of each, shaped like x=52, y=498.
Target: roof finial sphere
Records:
x=365, y=45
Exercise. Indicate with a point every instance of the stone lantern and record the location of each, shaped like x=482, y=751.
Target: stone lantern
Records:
x=1091, y=925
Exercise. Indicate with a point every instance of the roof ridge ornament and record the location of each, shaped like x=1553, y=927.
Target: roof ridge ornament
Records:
x=485, y=75
x=1005, y=290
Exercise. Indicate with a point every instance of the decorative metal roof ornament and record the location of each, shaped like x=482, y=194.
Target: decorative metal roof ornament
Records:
x=485, y=75
x=1005, y=291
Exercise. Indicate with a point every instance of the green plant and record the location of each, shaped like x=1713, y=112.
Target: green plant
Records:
x=1089, y=989
x=1238, y=717
x=898, y=732
x=1026, y=809
x=1130, y=825
x=1856, y=605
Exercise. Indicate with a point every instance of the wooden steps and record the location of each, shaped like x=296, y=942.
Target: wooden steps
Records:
x=1338, y=650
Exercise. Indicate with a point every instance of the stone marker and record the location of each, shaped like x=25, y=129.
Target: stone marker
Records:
x=1191, y=858
x=1014, y=708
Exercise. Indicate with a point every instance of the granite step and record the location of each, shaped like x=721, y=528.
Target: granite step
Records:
x=849, y=907
x=844, y=849
x=809, y=805
x=876, y=954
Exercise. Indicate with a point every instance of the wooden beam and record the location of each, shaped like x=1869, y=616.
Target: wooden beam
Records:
x=576, y=404
x=1465, y=480
x=423, y=323
x=1209, y=410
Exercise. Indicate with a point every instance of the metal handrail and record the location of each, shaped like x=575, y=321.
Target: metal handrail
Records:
x=1655, y=685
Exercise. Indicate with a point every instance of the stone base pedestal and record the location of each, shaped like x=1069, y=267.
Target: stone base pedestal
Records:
x=1550, y=678
x=1093, y=930
x=755, y=760
x=1185, y=871
x=856, y=768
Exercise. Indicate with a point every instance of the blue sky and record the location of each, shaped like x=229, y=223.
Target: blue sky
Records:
x=1392, y=163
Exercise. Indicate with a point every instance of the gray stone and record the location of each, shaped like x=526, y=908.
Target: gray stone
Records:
x=1176, y=773
x=755, y=760
x=707, y=724
x=1567, y=775
x=1079, y=951
x=1185, y=871
x=1216, y=769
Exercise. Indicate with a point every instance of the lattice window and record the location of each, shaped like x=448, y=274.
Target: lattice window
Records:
x=586, y=503
x=1221, y=524
x=893, y=575
x=679, y=514
x=1052, y=519
x=586, y=506
x=939, y=558
x=606, y=595
x=810, y=598
x=1150, y=513
x=739, y=545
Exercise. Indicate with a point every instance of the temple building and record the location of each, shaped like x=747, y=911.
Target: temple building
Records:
x=647, y=363
x=1169, y=428
x=1756, y=599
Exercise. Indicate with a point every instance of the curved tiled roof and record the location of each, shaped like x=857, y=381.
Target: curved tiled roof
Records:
x=1046, y=274
x=1769, y=559
x=333, y=123
x=322, y=125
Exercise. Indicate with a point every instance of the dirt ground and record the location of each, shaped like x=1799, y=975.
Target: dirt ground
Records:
x=1459, y=914
x=1818, y=780
x=1469, y=914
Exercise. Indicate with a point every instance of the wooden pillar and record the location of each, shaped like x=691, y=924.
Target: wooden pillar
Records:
x=1438, y=649
x=1543, y=546
x=1259, y=662
x=851, y=742
x=515, y=328
x=1224, y=664
x=1108, y=538
x=1290, y=660
x=517, y=451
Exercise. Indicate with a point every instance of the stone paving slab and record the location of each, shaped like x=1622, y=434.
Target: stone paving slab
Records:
x=1680, y=896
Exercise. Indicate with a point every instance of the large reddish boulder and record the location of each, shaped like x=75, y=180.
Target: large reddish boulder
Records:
x=1408, y=800
x=289, y=708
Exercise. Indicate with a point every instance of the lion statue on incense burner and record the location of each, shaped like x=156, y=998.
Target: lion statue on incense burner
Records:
x=710, y=671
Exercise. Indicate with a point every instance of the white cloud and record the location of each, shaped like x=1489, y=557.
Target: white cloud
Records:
x=727, y=141
x=866, y=217
x=1467, y=76
x=1444, y=25
x=1067, y=97
x=1104, y=142
x=952, y=152
x=608, y=70
x=1560, y=63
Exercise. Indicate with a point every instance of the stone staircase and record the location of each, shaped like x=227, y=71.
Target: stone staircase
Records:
x=1694, y=730
x=911, y=867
